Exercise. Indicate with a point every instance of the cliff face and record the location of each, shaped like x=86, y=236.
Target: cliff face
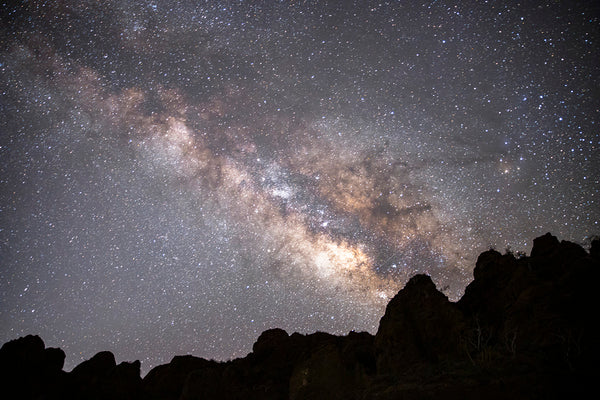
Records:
x=523, y=329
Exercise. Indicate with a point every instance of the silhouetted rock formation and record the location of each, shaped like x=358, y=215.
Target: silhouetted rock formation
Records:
x=101, y=378
x=419, y=325
x=525, y=328
x=167, y=381
x=30, y=370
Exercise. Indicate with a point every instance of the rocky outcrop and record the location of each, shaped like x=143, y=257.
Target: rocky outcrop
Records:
x=283, y=366
x=28, y=370
x=101, y=378
x=420, y=325
x=525, y=328
x=166, y=381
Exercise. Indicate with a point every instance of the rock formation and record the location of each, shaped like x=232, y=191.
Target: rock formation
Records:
x=523, y=329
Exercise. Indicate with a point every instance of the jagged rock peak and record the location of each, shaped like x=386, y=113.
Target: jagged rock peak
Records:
x=420, y=324
x=420, y=282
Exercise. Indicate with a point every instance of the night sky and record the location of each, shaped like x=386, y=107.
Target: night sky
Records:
x=177, y=177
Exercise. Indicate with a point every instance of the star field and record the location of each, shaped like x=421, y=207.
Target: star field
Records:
x=177, y=177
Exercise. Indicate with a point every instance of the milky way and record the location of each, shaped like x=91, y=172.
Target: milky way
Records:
x=177, y=177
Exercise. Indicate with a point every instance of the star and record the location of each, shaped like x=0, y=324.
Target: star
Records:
x=176, y=177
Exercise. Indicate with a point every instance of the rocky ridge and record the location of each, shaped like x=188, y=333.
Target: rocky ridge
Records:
x=524, y=328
